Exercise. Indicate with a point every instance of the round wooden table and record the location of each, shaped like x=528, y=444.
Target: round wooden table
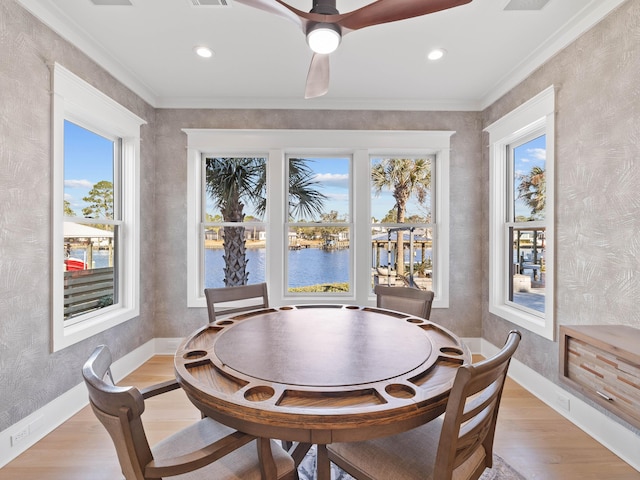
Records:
x=318, y=374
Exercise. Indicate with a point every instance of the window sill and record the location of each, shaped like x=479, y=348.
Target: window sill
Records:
x=65, y=336
x=537, y=324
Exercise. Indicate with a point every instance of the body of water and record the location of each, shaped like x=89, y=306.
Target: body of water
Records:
x=100, y=257
x=307, y=266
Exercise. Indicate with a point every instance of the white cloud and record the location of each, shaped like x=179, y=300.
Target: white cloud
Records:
x=538, y=153
x=333, y=179
x=78, y=184
x=341, y=197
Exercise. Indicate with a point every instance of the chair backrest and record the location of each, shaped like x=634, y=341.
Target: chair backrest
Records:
x=472, y=410
x=119, y=410
x=255, y=297
x=405, y=299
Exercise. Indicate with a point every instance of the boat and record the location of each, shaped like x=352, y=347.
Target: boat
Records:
x=73, y=264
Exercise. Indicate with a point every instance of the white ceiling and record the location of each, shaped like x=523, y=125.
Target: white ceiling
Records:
x=261, y=60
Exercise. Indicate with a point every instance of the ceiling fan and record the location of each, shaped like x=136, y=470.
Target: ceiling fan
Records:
x=324, y=26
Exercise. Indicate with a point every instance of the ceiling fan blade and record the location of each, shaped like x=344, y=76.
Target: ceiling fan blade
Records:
x=385, y=11
x=318, y=76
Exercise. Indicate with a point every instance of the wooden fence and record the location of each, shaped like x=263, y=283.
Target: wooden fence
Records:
x=87, y=290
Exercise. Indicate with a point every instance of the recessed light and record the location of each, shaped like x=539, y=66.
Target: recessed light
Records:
x=204, y=52
x=436, y=54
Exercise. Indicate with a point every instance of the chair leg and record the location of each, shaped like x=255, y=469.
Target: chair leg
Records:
x=267, y=464
x=299, y=451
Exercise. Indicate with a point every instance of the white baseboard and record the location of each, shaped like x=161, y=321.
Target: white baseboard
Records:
x=474, y=344
x=43, y=421
x=621, y=441
x=167, y=346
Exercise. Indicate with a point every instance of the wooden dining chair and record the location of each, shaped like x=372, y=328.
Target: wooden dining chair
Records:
x=458, y=446
x=222, y=300
x=405, y=299
x=206, y=449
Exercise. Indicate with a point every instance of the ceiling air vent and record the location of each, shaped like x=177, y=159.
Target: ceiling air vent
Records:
x=209, y=3
x=525, y=4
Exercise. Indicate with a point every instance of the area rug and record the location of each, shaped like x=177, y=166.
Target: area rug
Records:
x=500, y=471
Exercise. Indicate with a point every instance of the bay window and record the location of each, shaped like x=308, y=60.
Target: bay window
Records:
x=320, y=218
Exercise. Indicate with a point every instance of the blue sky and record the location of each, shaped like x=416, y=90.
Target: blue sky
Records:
x=333, y=176
x=526, y=157
x=88, y=159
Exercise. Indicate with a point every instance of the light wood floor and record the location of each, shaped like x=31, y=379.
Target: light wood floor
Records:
x=530, y=436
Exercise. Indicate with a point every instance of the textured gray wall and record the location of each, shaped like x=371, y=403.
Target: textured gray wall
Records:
x=597, y=177
x=30, y=375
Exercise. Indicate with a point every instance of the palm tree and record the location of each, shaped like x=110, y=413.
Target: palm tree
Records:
x=304, y=199
x=232, y=182
x=532, y=189
x=405, y=177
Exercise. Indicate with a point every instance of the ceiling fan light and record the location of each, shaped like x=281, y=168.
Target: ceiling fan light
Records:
x=323, y=38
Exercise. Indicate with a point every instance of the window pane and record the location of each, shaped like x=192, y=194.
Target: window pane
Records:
x=528, y=268
x=90, y=248
x=529, y=185
x=88, y=173
x=90, y=268
x=319, y=255
x=401, y=193
x=318, y=189
x=401, y=190
x=417, y=257
x=235, y=194
x=318, y=259
x=235, y=189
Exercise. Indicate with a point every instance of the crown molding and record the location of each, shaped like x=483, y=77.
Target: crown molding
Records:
x=49, y=14
x=579, y=24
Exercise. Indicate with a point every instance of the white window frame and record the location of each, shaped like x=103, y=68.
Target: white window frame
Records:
x=75, y=100
x=276, y=145
x=536, y=115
